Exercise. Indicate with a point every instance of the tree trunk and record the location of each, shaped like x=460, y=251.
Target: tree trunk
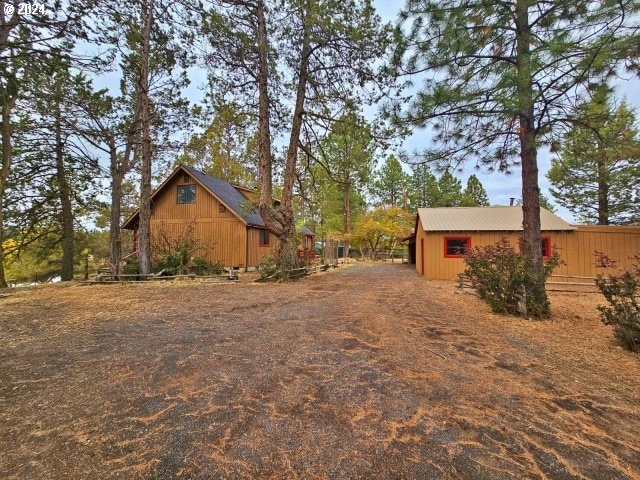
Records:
x=287, y=247
x=115, y=236
x=118, y=168
x=346, y=207
x=144, y=232
x=536, y=296
x=603, y=185
x=65, y=202
x=7, y=154
x=265, y=164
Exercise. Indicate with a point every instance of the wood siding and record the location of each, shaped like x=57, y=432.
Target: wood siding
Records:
x=576, y=249
x=257, y=251
x=221, y=235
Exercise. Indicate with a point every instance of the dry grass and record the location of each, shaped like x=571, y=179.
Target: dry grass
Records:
x=364, y=372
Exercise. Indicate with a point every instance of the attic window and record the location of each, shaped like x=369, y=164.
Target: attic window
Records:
x=185, y=178
x=456, y=247
x=186, y=194
x=221, y=208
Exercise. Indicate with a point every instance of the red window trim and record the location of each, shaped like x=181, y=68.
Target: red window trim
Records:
x=467, y=239
x=547, y=246
x=546, y=241
x=134, y=247
x=260, y=238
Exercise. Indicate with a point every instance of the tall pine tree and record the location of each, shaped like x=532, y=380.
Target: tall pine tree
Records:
x=596, y=173
x=499, y=78
x=391, y=186
x=474, y=194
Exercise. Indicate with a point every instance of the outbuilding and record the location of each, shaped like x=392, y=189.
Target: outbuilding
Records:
x=443, y=235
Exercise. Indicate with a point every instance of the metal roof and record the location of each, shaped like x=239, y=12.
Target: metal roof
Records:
x=498, y=218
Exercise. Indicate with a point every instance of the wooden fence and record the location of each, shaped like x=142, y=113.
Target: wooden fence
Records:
x=105, y=276
x=574, y=283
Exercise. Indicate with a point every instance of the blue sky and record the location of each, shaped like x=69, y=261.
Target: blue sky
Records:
x=499, y=186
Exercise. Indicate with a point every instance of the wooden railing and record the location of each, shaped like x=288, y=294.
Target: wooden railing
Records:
x=464, y=282
x=590, y=283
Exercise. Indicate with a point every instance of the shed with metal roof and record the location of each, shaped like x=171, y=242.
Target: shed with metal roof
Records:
x=442, y=236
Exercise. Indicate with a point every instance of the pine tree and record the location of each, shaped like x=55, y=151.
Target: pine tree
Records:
x=325, y=48
x=597, y=171
x=392, y=184
x=27, y=44
x=347, y=156
x=449, y=191
x=151, y=41
x=424, y=187
x=226, y=149
x=474, y=194
x=499, y=80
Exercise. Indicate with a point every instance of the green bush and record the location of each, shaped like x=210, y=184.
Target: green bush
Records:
x=266, y=266
x=131, y=267
x=173, y=251
x=622, y=292
x=499, y=274
x=174, y=263
x=200, y=266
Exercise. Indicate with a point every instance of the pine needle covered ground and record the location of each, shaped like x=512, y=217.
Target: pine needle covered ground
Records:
x=367, y=372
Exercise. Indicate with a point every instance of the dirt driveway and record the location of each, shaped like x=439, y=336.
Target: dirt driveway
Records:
x=368, y=372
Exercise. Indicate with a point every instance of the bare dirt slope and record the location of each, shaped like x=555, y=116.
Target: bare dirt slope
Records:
x=368, y=372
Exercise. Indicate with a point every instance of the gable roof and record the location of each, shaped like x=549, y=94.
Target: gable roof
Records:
x=306, y=231
x=498, y=218
x=229, y=195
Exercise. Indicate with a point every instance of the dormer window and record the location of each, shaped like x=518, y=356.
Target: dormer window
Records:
x=186, y=194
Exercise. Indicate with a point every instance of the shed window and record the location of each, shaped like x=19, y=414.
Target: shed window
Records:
x=546, y=246
x=264, y=237
x=221, y=208
x=186, y=194
x=456, y=247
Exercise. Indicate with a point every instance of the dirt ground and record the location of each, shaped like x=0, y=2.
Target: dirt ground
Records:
x=364, y=372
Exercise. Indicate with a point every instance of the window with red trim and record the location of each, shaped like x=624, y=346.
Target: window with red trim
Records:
x=546, y=246
x=456, y=247
x=264, y=237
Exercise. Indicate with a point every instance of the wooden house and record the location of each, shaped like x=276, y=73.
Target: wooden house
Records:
x=221, y=217
x=442, y=236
